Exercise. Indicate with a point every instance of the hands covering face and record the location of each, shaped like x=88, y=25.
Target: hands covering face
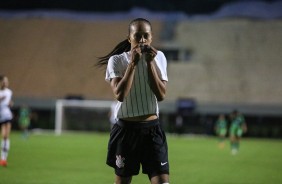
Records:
x=147, y=51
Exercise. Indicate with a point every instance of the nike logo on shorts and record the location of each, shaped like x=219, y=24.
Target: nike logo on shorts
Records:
x=163, y=163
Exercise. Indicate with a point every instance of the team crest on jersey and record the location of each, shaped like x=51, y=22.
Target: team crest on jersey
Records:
x=120, y=161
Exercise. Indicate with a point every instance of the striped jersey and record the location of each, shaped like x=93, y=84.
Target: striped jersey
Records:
x=141, y=100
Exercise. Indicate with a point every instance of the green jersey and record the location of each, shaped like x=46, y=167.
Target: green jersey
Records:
x=236, y=126
x=24, y=117
x=221, y=126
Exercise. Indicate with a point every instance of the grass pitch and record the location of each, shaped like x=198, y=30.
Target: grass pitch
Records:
x=79, y=158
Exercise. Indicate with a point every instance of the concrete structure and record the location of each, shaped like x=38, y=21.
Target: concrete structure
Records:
x=233, y=61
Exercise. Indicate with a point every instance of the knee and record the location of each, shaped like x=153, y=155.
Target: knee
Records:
x=5, y=136
x=123, y=180
x=160, y=179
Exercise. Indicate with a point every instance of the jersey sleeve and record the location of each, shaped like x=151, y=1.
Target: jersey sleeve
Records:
x=113, y=68
x=162, y=65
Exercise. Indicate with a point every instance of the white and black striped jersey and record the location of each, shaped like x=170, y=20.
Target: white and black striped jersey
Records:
x=141, y=99
x=5, y=111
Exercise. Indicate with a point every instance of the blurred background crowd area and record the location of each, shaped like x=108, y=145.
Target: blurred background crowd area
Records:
x=222, y=55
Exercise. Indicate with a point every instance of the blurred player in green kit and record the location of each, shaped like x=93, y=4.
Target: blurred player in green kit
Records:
x=237, y=128
x=221, y=130
x=24, y=120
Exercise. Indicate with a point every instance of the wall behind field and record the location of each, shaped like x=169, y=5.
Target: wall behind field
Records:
x=52, y=58
x=232, y=60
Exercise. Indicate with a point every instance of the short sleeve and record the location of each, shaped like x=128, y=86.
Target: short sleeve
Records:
x=162, y=65
x=113, y=69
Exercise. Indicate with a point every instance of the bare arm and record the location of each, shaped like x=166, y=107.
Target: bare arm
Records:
x=157, y=85
x=122, y=86
x=11, y=103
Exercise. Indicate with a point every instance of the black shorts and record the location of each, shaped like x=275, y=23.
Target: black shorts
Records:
x=133, y=144
x=5, y=122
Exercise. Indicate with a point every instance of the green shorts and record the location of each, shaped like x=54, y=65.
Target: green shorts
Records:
x=221, y=132
x=24, y=122
x=236, y=131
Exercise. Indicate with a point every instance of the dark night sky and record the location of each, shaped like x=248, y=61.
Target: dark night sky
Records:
x=187, y=6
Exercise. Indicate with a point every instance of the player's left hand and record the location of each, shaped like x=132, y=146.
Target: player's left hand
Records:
x=150, y=54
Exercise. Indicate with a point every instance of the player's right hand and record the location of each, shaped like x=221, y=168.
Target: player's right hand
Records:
x=136, y=54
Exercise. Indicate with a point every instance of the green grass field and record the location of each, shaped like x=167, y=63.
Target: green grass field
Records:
x=79, y=158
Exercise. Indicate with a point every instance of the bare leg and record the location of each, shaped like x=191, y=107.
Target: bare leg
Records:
x=123, y=180
x=160, y=179
x=5, y=142
x=5, y=130
x=234, y=144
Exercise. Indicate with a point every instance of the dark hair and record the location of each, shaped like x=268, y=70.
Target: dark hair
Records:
x=123, y=46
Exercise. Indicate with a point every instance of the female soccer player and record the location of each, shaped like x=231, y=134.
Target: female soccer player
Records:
x=237, y=128
x=221, y=130
x=137, y=74
x=5, y=118
x=24, y=120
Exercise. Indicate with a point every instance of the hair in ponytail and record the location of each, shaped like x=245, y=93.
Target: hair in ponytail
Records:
x=123, y=46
